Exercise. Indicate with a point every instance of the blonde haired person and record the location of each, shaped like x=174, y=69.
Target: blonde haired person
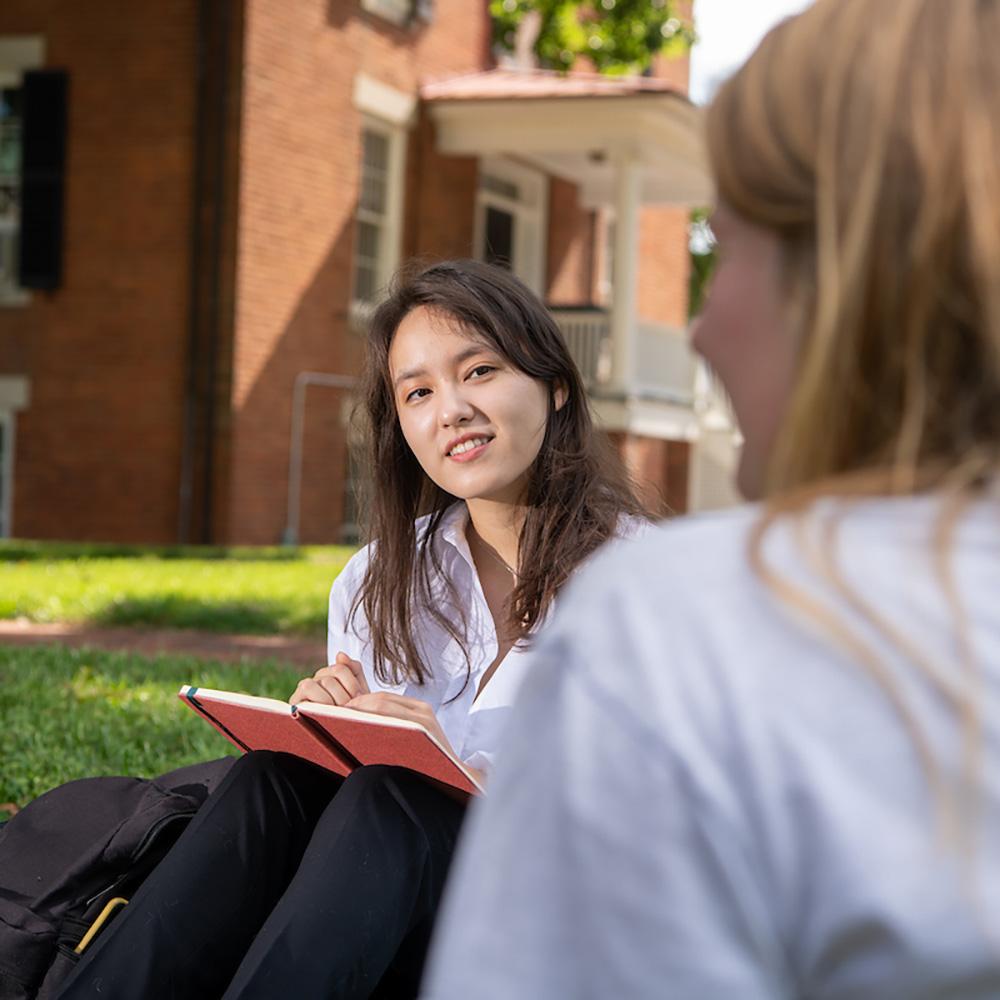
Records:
x=759, y=755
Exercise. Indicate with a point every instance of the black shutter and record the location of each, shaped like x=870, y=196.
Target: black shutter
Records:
x=42, y=176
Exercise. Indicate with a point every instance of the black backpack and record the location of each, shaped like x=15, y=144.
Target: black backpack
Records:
x=72, y=851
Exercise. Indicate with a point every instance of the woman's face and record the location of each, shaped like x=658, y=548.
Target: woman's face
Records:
x=474, y=422
x=744, y=335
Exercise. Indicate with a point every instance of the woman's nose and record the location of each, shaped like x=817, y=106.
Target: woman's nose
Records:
x=455, y=407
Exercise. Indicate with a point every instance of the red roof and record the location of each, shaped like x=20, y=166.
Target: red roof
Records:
x=504, y=84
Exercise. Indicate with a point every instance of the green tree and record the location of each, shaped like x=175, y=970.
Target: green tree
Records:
x=618, y=36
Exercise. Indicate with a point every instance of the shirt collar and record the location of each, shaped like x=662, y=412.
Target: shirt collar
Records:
x=452, y=530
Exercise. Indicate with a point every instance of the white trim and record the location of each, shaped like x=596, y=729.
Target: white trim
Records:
x=18, y=53
x=15, y=392
x=606, y=256
x=665, y=421
x=624, y=294
x=8, y=422
x=712, y=471
x=530, y=210
x=579, y=139
x=373, y=97
x=390, y=222
x=398, y=12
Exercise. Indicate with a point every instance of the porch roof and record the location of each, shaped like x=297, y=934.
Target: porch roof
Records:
x=579, y=127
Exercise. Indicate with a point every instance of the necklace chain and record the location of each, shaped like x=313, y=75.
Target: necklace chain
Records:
x=503, y=562
x=496, y=555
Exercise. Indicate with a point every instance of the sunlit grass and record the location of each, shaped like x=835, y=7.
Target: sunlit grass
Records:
x=281, y=592
x=67, y=714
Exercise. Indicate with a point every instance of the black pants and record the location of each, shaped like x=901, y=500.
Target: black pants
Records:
x=290, y=882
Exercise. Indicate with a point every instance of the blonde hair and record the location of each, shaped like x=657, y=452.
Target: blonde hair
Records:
x=867, y=136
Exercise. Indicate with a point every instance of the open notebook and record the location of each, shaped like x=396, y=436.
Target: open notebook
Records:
x=339, y=739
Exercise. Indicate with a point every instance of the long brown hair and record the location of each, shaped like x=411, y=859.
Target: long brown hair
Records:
x=867, y=137
x=576, y=492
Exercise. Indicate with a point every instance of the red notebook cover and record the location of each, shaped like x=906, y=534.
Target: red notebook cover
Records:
x=251, y=723
x=374, y=739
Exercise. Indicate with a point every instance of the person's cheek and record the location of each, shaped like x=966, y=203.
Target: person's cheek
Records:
x=411, y=434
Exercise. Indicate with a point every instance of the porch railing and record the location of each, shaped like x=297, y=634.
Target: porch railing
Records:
x=665, y=366
x=588, y=337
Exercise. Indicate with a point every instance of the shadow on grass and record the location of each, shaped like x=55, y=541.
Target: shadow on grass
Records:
x=252, y=618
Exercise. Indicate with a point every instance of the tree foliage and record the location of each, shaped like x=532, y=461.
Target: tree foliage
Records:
x=617, y=36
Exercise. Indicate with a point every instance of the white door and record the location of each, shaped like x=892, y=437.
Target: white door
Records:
x=511, y=209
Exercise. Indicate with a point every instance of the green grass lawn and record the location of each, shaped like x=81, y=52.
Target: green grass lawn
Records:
x=68, y=714
x=263, y=591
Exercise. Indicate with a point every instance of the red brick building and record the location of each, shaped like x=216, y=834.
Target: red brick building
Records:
x=235, y=182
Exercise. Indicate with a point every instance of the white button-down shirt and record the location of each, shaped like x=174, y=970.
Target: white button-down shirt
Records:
x=472, y=724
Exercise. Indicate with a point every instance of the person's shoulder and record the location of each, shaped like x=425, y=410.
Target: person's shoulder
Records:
x=631, y=526
x=645, y=628
x=703, y=546
x=347, y=582
x=664, y=577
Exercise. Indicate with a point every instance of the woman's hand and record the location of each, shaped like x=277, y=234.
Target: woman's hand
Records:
x=336, y=684
x=398, y=706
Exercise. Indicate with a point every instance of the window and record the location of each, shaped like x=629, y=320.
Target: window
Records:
x=10, y=189
x=511, y=205
x=19, y=54
x=397, y=11
x=379, y=212
x=401, y=11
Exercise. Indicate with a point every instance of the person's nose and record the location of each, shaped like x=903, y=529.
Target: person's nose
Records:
x=455, y=408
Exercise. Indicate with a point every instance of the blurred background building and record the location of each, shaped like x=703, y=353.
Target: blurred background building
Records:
x=200, y=201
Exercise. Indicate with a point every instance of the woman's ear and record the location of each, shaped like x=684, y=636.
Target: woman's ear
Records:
x=559, y=394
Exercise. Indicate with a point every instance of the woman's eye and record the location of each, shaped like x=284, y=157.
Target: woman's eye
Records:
x=416, y=394
x=480, y=370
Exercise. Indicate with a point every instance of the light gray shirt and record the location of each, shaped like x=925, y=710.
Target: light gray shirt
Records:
x=703, y=795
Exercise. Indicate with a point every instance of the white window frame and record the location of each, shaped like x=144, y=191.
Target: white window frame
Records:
x=17, y=54
x=398, y=12
x=390, y=222
x=530, y=211
x=8, y=424
x=15, y=395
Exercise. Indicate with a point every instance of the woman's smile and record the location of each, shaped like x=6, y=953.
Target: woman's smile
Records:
x=469, y=447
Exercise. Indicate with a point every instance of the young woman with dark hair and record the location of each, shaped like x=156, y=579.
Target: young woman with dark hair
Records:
x=488, y=487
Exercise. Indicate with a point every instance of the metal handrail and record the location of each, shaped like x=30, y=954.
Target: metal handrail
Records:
x=302, y=382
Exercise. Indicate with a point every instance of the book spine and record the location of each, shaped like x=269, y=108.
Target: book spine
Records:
x=318, y=733
x=189, y=696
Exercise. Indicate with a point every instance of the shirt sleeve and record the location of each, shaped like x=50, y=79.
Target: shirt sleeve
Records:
x=347, y=634
x=482, y=760
x=595, y=867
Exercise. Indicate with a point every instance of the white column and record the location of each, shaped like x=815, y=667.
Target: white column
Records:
x=628, y=188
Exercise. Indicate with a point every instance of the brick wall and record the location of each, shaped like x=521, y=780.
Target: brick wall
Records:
x=660, y=470
x=440, y=198
x=98, y=451
x=301, y=156
x=571, y=246
x=664, y=265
